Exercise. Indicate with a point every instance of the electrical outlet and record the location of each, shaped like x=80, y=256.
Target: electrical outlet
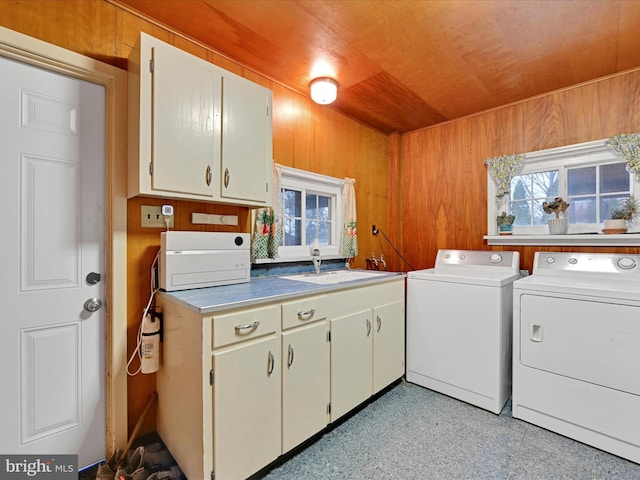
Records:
x=374, y=230
x=151, y=217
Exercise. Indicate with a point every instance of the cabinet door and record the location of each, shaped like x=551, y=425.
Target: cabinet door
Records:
x=182, y=134
x=388, y=344
x=246, y=408
x=305, y=383
x=246, y=141
x=351, y=361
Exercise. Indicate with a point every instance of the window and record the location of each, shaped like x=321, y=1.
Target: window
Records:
x=589, y=176
x=312, y=209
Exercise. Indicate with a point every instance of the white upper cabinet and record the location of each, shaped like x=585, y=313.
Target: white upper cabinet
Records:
x=184, y=115
x=246, y=140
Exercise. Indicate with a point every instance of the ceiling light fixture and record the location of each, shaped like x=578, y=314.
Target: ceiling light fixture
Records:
x=324, y=90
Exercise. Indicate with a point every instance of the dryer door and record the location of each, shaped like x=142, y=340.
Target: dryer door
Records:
x=591, y=341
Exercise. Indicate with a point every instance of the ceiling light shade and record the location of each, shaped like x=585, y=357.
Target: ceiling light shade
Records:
x=324, y=90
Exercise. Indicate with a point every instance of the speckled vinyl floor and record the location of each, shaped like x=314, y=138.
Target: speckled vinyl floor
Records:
x=415, y=433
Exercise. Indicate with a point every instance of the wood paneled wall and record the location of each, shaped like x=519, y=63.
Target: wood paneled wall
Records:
x=305, y=135
x=443, y=186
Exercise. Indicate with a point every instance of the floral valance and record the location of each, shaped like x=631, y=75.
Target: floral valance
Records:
x=502, y=170
x=627, y=145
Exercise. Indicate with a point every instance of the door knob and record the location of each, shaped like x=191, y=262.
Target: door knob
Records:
x=92, y=305
x=93, y=278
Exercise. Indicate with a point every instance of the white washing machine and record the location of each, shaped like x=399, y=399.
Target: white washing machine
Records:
x=576, y=352
x=459, y=326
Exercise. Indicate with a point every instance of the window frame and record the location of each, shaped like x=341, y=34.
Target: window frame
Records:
x=579, y=155
x=314, y=183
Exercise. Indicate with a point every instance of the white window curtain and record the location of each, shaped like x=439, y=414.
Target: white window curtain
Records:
x=627, y=145
x=502, y=170
x=350, y=233
x=267, y=222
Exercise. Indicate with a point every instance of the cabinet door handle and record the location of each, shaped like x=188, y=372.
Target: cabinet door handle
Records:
x=290, y=356
x=306, y=315
x=208, y=175
x=270, y=363
x=379, y=322
x=368, y=327
x=248, y=326
x=227, y=177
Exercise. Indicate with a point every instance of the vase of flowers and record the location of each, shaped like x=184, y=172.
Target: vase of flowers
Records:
x=505, y=223
x=622, y=216
x=560, y=224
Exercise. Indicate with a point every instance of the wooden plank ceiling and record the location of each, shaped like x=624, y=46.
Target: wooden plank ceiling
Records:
x=406, y=64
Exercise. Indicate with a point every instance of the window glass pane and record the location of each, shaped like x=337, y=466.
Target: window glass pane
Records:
x=324, y=206
x=582, y=209
x=608, y=203
x=292, y=203
x=520, y=189
x=522, y=211
x=527, y=194
x=545, y=184
x=312, y=231
x=614, y=178
x=324, y=233
x=581, y=181
x=292, y=232
x=312, y=205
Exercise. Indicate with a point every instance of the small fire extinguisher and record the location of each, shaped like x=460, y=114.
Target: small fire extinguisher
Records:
x=150, y=344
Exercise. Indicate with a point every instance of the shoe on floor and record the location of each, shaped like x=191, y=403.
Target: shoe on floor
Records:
x=106, y=471
x=157, y=457
x=171, y=473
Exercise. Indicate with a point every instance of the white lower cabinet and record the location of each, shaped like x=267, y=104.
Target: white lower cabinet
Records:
x=239, y=388
x=367, y=343
x=351, y=361
x=305, y=370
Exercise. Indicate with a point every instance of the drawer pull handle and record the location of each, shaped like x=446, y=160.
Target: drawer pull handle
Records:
x=368, y=327
x=270, y=363
x=379, y=322
x=248, y=326
x=306, y=315
x=290, y=356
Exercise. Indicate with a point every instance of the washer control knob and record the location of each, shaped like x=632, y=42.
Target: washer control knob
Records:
x=447, y=256
x=551, y=260
x=496, y=258
x=573, y=261
x=462, y=256
x=626, y=263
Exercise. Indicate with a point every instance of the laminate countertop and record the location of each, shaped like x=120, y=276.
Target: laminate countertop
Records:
x=271, y=289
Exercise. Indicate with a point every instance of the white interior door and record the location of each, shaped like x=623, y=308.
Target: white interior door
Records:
x=51, y=252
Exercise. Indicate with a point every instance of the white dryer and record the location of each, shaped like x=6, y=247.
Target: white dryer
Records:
x=459, y=326
x=576, y=353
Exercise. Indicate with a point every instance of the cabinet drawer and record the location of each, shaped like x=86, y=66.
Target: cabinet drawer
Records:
x=244, y=325
x=306, y=310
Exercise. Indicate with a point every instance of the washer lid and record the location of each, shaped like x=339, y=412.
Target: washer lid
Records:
x=465, y=276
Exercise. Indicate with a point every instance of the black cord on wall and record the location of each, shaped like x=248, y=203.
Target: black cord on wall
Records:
x=377, y=230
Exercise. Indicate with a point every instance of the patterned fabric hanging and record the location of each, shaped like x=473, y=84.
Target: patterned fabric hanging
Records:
x=267, y=223
x=627, y=145
x=502, y=170
x=350, y=233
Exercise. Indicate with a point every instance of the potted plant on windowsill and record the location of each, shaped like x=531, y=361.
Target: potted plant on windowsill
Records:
x=505, y=223
x=560, y=224
x=622, y=216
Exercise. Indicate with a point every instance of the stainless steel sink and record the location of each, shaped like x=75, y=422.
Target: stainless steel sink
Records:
x=328, y=278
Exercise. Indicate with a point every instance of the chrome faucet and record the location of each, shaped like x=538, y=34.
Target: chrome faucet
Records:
x=384, y=264
x=374, y=260
x=315, y=258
